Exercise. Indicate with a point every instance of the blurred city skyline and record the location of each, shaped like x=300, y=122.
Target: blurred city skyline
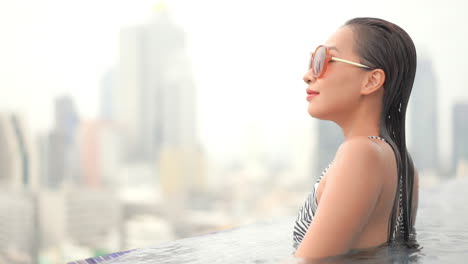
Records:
x=248, y=71
x=156, y=116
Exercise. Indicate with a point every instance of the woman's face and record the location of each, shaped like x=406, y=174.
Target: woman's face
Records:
x=339, y=88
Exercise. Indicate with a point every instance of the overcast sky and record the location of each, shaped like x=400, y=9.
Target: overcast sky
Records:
x=248, y=57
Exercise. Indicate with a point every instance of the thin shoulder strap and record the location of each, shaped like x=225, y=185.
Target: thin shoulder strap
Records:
x=377, y=137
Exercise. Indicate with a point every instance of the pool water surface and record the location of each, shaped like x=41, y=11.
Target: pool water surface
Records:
x=441, y=237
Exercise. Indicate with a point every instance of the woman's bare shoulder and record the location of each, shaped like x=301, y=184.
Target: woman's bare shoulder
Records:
x=359, y=146
x=359, y=154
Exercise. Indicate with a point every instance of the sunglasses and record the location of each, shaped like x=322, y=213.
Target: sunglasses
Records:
x=320, y=58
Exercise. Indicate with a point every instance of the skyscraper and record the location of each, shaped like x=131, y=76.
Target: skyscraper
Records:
x=100, y=154
x=330, y=137
x=423, y=138
x=61, y=147
x=460, y=132
x=155, y=100
x=107, y=93
x=19, y=156
x=155, y=107
x=66, y=118
x=18, y=184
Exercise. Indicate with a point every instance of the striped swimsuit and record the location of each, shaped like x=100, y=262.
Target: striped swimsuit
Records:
x=307, y=212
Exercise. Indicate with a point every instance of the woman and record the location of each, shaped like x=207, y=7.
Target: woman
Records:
x=368, y=196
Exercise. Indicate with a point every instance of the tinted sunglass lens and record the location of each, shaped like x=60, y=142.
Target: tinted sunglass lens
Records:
x=319, y=61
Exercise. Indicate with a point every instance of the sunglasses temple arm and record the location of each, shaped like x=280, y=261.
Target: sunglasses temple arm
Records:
x=350, y=62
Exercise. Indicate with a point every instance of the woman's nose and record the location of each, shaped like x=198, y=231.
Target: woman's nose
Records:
x=308, y=77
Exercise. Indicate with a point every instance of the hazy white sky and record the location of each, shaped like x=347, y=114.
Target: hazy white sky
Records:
x=248, y=56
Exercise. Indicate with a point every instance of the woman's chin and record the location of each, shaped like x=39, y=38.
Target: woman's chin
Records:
x=313, y=112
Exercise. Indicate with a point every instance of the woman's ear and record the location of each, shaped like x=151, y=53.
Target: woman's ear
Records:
x=373, y=81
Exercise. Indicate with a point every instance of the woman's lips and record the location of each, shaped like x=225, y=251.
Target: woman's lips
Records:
x=311, y=93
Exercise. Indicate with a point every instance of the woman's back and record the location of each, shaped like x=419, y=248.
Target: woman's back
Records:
x=375, y=232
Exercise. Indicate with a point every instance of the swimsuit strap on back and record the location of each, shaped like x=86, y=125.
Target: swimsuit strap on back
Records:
x=377, y=137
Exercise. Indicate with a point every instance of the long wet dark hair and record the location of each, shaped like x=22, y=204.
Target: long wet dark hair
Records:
x=384, y=45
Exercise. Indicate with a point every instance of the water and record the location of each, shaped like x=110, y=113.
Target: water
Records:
x=442, y=237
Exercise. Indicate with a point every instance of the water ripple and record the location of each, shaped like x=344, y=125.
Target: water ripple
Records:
x=441, y=237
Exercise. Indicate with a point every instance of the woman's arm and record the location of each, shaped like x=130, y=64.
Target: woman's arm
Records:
x=351, y=193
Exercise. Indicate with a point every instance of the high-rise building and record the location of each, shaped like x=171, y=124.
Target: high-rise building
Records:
x=423, y=139
x=156, y=93
x=43, y=157
x=19, y=180
x=10, y=157
x=100, y=153
x=66, y=118
x=329, y=139
x=61, y=147
x=460, y=132
x=156, y=109
x=19, y=156
x=107, y=93
x=57, y=153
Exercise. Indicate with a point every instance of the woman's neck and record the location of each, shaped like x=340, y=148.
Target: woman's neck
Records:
x=364, y=121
